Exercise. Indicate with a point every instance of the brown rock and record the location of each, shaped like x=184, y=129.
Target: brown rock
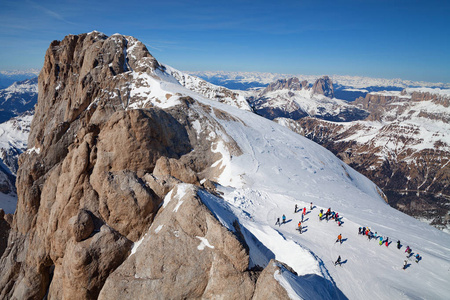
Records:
x=204, y=259
x=172, y=167
x=324, y=86
x=82, y=225
x=267, y=287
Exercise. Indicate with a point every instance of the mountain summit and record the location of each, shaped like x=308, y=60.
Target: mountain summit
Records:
x=135, y=186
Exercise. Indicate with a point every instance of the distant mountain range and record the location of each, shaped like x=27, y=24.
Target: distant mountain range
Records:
x=9, y=77
x=346, y=87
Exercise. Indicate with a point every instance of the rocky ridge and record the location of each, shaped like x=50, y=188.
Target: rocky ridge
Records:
x=290, y=98
x=98, y=168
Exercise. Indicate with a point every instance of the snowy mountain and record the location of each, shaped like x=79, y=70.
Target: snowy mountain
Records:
x=357, y=82
x=346, y=87
x=18, y=98
x=13, y=142
x=142, y=188
x=293, y=99
x=9, y=77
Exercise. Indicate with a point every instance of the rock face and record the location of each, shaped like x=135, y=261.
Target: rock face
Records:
x=102, y=157
x=293, y=84
x=399, y=147
x=323, y=86
x=5, y=227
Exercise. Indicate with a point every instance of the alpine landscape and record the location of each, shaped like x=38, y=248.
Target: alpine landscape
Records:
x=123, y=177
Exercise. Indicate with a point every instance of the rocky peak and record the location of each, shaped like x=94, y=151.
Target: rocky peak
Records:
x=107, y=144
x=292, y=84
x=323, y=86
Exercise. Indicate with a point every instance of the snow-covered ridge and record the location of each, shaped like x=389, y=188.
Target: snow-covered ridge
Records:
x=26, y=86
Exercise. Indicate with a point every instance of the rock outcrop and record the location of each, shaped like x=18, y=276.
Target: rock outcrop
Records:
x=107, y=145
x=293, y=84
x=323, y=86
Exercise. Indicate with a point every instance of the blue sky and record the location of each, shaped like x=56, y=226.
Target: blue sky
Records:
x=388, y=39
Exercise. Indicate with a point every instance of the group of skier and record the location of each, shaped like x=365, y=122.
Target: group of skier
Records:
x=371, y=235
x=365, y=231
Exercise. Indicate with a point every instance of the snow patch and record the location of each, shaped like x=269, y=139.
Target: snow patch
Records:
x=203, y=243
x=158, y=229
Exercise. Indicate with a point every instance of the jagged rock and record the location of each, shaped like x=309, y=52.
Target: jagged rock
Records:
x=172, y=167
x=161, y=185
x=86, y=187
x=267, y=286
x=293, y=84
x=323, y=86
x=202, y=258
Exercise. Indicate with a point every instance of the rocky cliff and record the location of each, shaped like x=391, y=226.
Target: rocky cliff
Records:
x=323, y=86
x=114, y=152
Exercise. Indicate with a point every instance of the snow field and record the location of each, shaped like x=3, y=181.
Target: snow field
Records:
x=280, y=169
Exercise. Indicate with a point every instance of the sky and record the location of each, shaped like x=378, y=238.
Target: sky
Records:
x=385, y=39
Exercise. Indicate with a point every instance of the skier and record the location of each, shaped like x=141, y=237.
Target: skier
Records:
x=418, y=258
x=284, y=219
x=404, y=264
x=320, y=216
x=359, y=230
x=339, y=223
x=336, y=216
x=300, y=227
x=363, y=230
x=381, y=240
x=338, y=261
x=278, y=222
x=387, y=242
x=304, y=210
x=398, y=244
x=311, y=206
x=295, y=208
x=408, y=250
x=339, y=238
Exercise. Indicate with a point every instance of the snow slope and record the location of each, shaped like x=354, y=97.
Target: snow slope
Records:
x=279, y=169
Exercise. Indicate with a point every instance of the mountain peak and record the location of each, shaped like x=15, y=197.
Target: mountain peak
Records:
x=324, y=86
x=292, y=84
